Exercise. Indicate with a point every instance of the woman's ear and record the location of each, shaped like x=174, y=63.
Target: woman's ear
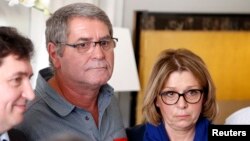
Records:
x=53, y=55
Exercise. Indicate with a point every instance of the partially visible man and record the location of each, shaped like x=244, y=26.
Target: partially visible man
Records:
x=15, y=88
x=72, y=96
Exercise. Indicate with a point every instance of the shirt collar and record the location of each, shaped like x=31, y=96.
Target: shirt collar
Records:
x=4, y=136
x=55, y=101
x=58, y=103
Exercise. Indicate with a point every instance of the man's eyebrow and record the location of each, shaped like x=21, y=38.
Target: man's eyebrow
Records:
x=89, y=39
x=106, y=37
x=83, y=39
x=31, y=75
x=21, y=73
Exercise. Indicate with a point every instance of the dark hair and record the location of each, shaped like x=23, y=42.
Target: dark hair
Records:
x=11, y=42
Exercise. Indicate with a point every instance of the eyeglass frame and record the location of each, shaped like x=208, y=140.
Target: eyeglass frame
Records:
x=182, y=94
x=77, y=45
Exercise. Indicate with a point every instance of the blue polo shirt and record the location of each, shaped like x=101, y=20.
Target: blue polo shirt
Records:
x=50, y=114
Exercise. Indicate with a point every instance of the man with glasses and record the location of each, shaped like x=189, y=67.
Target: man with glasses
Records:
x=73, y=96
x=179, y=101
x=15, y=87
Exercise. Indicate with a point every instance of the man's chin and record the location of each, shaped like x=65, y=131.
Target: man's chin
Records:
x=16, y=119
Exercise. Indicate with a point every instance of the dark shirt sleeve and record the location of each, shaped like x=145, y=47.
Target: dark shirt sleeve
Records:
x=135, y=133
x=16, y=135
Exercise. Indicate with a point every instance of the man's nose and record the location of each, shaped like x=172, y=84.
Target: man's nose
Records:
x=28, y=91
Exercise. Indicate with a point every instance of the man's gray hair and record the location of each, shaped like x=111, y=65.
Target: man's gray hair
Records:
x=57, y=24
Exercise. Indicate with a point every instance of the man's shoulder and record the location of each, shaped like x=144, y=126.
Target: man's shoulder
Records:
x=36, y=109
x=16, y=135
x=35, y=104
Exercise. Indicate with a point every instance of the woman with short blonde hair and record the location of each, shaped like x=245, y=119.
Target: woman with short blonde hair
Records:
x=180, y=96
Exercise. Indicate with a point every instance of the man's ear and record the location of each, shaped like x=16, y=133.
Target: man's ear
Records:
x=54, y=57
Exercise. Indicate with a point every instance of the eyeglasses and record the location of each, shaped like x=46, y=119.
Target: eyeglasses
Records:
x=85, y=47
x=191, y=96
